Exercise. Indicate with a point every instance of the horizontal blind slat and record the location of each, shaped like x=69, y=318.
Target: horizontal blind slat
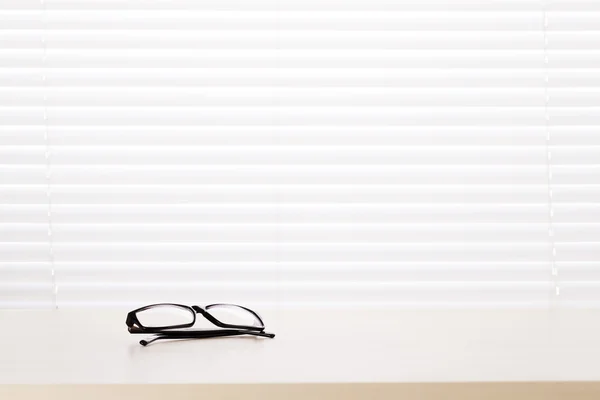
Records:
x=271, y=39
x=301, y=116
x=82, y=272
x=293, y=233
x=295, y=5
x=280, y=20
x=315, y=175
x=299, y=5
x=266, y=96
x=355, y=212
x=294, y=155
x=297, y=58
x=299, y=194
x=307, y=232
x=278, y=213
x=287, y=97
x=303, y=39
x=305, y=155
x=297, y=77
x=31, y=135
x=427, y=136
x=303, y=252
x=301, y=77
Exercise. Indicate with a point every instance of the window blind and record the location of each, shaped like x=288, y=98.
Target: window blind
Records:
x=300, y=153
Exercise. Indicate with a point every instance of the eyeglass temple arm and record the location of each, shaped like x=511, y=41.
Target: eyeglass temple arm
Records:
x=187, y=336
x=204, y=335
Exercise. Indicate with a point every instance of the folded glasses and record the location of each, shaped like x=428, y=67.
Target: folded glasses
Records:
x=169, y=321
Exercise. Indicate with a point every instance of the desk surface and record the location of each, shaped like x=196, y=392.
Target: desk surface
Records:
x=334, y=346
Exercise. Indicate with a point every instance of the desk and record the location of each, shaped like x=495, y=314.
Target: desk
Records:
x=312, y=347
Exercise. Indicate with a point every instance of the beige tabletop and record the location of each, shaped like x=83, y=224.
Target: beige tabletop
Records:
x=312, y=346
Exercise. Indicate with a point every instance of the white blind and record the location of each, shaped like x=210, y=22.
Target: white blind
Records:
x=300, y=152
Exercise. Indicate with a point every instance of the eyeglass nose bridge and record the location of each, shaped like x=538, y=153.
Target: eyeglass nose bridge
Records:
x=198, y=309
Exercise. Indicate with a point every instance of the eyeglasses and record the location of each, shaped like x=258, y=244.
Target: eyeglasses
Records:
x=169, y=321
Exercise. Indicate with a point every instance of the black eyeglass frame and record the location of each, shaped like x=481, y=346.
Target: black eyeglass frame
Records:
x=135, y=326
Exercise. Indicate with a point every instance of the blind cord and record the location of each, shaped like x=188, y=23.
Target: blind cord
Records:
x=551, y=231
x=48, y=158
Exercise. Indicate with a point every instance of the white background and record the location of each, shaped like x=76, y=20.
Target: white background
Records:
x=287, y=153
